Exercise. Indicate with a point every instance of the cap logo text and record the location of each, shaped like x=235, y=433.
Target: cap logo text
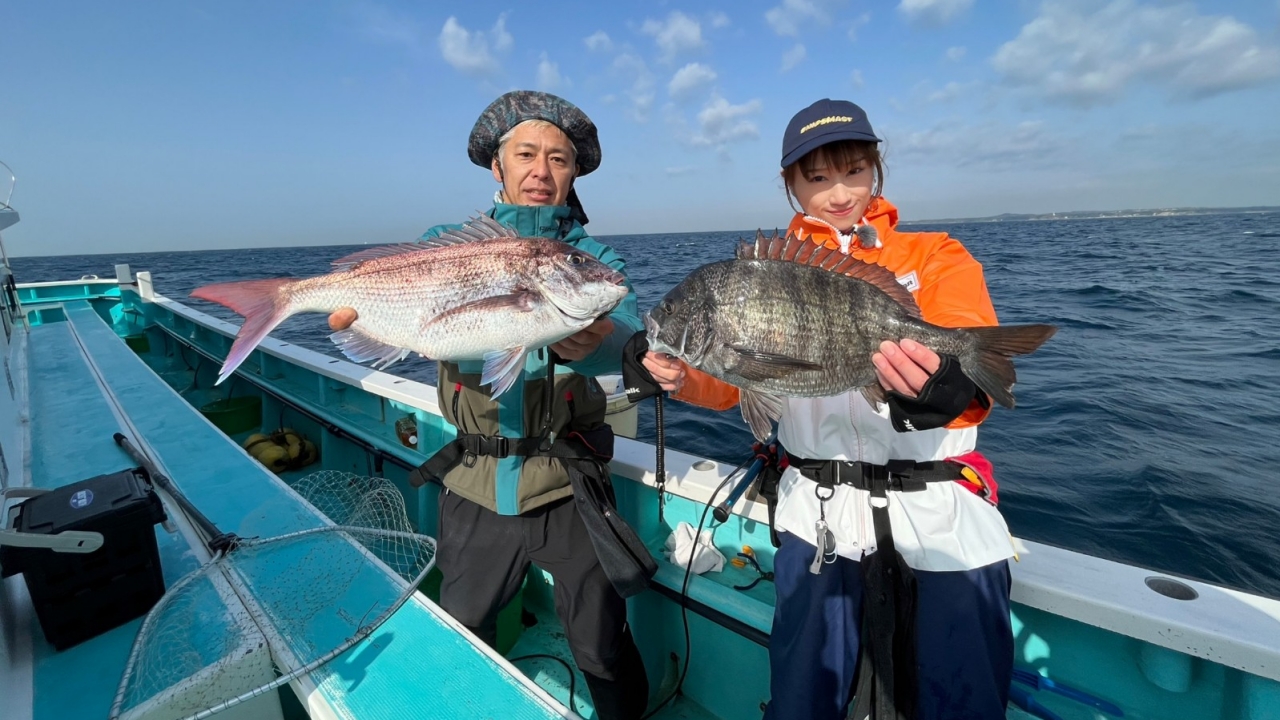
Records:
x=825, y=121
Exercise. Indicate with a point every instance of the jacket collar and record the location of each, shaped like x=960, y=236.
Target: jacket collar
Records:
x=549, y=221
x=880, y=214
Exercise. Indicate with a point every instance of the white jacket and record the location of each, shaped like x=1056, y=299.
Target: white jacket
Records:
x=942, y=528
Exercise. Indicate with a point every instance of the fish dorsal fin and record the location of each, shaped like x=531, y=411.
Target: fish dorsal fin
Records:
x=793, y=249
x=480, y=227
x=350, y=262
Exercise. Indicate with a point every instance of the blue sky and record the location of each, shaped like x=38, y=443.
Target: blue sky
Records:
x=200, y=125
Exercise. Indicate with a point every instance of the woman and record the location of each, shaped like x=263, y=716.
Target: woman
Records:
x=954, y=543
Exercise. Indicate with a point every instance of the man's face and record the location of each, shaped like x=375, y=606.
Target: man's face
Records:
x=537, y=166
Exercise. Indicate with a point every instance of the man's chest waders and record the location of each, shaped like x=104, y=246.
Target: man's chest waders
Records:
x=887, y=684
x=585, y=455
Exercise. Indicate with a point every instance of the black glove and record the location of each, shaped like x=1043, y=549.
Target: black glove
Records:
x=944, y=396
x=635, y=376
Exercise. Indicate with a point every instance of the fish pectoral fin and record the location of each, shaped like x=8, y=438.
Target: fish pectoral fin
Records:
x=521, y=300
x=362, y=348
x=501, y=368
x=874, y=393
x=759, y=366
x=760, y=410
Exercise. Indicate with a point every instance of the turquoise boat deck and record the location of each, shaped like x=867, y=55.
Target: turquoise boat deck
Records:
x=72, y=422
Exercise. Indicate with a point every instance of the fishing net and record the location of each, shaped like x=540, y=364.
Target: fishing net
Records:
x=271, y=610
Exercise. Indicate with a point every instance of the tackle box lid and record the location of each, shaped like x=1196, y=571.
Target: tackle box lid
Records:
x=96, y=502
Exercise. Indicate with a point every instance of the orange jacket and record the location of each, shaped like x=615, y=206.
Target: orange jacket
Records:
x=948, y=286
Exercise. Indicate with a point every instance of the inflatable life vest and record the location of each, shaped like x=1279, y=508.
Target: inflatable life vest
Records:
x=284, y=449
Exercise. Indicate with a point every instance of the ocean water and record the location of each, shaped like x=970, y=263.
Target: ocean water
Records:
x=1147, y=430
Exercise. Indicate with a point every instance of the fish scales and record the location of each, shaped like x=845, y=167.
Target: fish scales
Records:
x=481, y=293
x=403, y=293
x=809, y=314
x=808, y=327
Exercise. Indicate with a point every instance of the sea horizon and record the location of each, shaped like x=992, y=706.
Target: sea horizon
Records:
x=1003, y=217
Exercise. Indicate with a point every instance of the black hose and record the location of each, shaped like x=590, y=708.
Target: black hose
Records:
x=572, y=680
x=660, y=463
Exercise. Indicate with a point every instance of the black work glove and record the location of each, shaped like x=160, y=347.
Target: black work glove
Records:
x=944, y=396
x=636, y=379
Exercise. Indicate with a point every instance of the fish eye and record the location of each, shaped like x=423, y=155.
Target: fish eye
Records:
x=668, y=307
x=576, y=259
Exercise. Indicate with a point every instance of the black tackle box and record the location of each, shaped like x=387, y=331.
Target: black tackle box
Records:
x=78, y=596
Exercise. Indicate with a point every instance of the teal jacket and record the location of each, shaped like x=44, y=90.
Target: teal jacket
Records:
x=506, y=496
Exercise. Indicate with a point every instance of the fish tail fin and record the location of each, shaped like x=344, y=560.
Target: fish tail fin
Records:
x=263, y=306
x=989, y=365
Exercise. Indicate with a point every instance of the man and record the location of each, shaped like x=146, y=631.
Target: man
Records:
x=499, y=514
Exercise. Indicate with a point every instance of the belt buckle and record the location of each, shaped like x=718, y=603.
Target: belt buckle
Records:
x=501, y=446
x=871, y=473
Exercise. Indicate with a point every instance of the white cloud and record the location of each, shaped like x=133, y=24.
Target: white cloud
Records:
x=951, y=91
x=678, y=34
x=641, y=92
x=1027, y=144
x=598, y=41
x=690, y=81
x=721, y=122
x=955, y=54
x=718, y=19
x=549, y=77
x=1091, y=56
x=472, y=52
x=856, y=78
x=502, y=40
x=933, y=12
x=858, y=22
x=793, y=57
x=787, y=18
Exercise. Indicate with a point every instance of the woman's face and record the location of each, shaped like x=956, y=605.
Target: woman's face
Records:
x=839, y=196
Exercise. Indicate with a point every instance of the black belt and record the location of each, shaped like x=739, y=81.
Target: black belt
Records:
x=467, y=448
x=895, y=475
x=887, y=677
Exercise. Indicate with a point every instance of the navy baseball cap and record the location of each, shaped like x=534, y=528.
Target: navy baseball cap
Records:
x=825, y=121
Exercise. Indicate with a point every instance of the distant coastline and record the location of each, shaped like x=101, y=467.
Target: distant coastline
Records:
x=1101, y=214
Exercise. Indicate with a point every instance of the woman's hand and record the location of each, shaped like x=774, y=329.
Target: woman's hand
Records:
x=668, y=371
x=905, y=367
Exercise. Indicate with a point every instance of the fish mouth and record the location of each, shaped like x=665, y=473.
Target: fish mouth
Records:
x=589, y=309
x=651, y=329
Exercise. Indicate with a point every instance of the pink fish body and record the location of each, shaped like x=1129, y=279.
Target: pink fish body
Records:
x=479, y=292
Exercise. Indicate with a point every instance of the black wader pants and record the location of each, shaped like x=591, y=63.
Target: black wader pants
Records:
x=484, y=556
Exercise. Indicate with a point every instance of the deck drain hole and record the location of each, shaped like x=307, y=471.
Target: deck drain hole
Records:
x=1172, y=588
x=704, y=465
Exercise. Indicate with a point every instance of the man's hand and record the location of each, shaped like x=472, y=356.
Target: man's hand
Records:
x=584, y=342
x=668, y=371
x=905, y=367
x=342, y=318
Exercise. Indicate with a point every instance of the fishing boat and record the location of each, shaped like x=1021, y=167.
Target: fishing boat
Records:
x=85, y=357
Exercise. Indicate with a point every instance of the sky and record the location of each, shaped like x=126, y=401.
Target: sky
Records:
x=140, y=126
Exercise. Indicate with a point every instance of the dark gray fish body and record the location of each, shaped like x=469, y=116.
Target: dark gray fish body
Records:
x=784, y=327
